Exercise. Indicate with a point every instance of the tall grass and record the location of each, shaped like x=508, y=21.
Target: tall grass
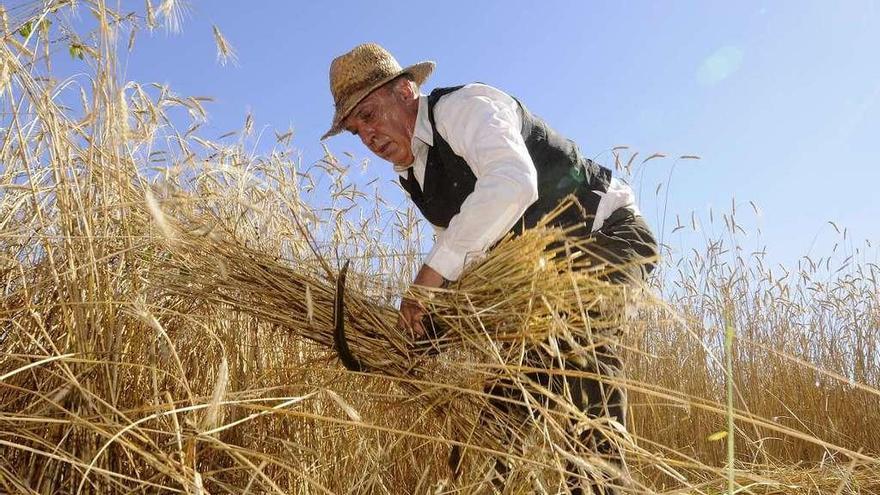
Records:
x=166, y=322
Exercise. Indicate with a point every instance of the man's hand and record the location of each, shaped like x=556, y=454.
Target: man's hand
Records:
x=411, y=318
x=412, y=313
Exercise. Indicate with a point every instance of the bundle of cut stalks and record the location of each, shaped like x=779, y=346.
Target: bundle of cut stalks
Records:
x=531, y=272
x=530, y=292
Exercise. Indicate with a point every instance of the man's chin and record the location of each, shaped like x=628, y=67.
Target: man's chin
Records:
x=392, y=159
x=402, y=163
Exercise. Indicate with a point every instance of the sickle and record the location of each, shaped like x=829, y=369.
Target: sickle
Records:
x=345, y=355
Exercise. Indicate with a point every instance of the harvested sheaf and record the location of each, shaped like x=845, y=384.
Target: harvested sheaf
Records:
x=485, y=327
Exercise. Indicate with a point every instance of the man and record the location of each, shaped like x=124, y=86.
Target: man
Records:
x=478, y=165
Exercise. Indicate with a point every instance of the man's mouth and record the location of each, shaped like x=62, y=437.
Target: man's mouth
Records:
x=382, y=149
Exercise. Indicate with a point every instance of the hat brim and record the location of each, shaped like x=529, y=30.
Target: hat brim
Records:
x=419, y=72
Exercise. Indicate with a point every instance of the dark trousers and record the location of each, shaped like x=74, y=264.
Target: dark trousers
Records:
x=624, y=242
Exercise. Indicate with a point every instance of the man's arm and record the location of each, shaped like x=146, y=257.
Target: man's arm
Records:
x=483, y=126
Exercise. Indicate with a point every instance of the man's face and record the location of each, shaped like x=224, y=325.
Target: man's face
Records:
x=385, y=120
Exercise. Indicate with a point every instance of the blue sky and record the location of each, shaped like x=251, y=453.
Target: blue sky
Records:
x=780, y=99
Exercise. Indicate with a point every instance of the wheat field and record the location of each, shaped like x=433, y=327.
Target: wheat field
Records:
x=167, y=319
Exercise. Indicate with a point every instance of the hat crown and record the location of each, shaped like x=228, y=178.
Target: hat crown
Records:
x=359, y=69
x=356, y=74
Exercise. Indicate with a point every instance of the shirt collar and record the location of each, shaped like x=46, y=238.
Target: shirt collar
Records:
x=423, y=131
x=423, y=134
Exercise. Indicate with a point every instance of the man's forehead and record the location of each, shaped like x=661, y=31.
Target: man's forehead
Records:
x=374, y=98
x=349, y=119
x=366, y=102
x=377, y=96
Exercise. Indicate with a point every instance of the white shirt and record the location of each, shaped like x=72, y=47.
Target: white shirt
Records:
x=483, y=125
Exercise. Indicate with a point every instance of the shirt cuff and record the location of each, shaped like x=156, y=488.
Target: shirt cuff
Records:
x=448, y=262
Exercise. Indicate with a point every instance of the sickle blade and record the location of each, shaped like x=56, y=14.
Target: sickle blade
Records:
x=345, y=355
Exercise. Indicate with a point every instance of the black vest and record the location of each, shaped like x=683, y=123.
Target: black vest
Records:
x=562, y=170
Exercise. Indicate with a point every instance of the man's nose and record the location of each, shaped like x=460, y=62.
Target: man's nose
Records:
x=368, y=135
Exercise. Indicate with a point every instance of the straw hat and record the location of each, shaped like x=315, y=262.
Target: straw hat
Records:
x=357, y=73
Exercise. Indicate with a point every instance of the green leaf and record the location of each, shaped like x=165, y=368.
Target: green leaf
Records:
x=26, y=29
x=76, y=51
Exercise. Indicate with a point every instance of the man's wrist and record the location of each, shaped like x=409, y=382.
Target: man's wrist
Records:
x=428, y=277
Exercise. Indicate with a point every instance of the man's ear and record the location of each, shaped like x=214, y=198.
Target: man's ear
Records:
x=404, y=89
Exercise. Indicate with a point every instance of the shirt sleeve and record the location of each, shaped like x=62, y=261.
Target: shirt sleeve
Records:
x=483, y=126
